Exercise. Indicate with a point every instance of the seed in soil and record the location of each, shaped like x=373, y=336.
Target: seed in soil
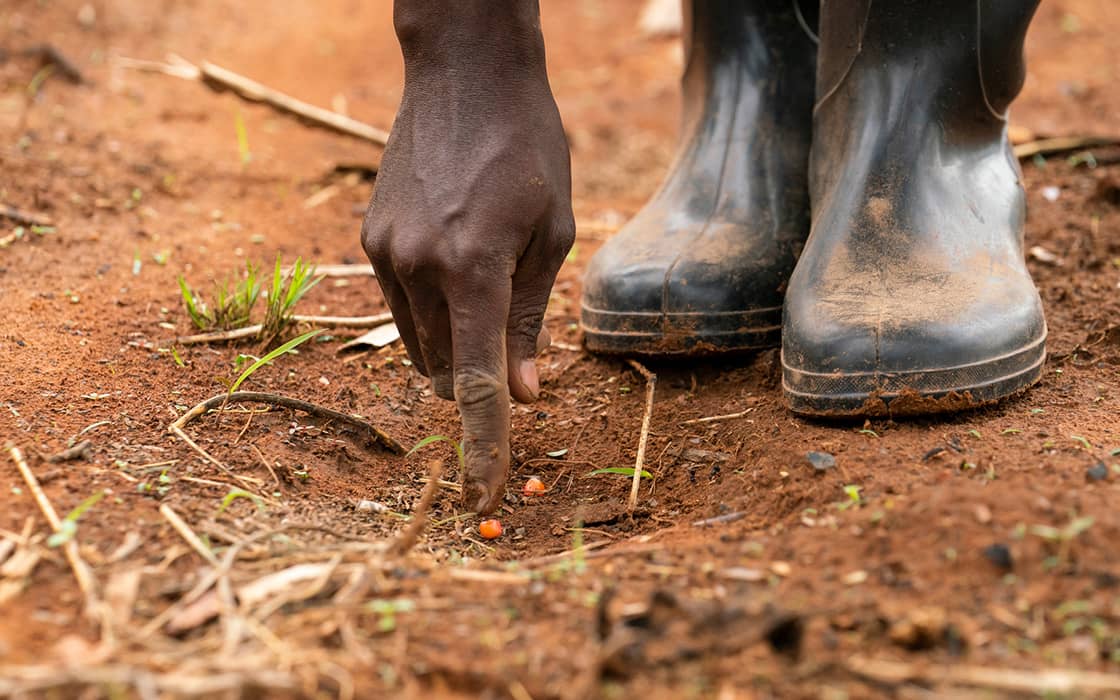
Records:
x=1000, y=556
x=533, y=487
x=490, y=529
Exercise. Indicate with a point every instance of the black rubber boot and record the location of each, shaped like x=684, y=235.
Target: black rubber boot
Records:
x=912, y=295
x=703, y=267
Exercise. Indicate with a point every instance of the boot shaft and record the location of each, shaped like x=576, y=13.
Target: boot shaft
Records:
x=960, y=59
x=733, y=43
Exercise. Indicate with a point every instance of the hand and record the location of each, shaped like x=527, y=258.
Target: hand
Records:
x=469, y=223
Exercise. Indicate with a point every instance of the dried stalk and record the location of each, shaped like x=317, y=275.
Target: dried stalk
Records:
x=284, y=402
x=255, y=329
x=82, y=572
x=643, y=438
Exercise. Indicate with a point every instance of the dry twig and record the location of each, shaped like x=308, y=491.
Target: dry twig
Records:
x=81, y=569
x=26, y=218
x=187, y=534
x=1061, y=144
x=284, y=402
x=407, y=539
x=715, y=419
x=321, y=321
x=342, y=270
x=51, y=56
x=639, y=463
x=1062, y=681
x=220, y=79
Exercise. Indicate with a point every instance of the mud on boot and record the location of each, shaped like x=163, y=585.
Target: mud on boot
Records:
x=912, y=294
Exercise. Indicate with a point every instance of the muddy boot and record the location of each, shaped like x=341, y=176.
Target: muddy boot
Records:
x=912, y=295
x=703, y=267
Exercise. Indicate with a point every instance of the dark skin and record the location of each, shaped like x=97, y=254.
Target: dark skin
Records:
x=471, y=216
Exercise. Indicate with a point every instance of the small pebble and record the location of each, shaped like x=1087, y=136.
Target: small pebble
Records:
x=372, y=506
x=821, y=461
x=983, y=514
x=1000, y=556
x=1097, y=472
x=744, y=573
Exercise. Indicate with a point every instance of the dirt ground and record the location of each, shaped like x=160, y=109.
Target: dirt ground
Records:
x=938, y=558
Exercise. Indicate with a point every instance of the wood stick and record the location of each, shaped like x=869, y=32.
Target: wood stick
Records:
x=1061, y=144
x=50, y=55
x=340, y=270
x=407, y=539
x=253, y=330
x=1063, y=681
x=713, y=419
x=284, y=402
x=82, y=572
x=187, y=534
x=346, y=321
x=651, y=386
x=220, y=79
x=179, y=433
x=24, y=217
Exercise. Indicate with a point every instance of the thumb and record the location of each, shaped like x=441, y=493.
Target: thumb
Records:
x=525, y=335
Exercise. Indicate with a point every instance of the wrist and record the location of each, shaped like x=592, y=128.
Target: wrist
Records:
x=470, y=39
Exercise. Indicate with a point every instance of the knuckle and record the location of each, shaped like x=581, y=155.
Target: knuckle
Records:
x=415, y=255
x=524, y=323
x=564, y=233
x=375, y=240
x=443, y=385
x=474, y=259
x=475, y=390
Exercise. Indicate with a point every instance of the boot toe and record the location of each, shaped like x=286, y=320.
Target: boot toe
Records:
x=721, y=292
x=863, y=354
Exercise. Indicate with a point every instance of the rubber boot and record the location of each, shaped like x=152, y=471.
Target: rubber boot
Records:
x=703, y=266
x=912, y=295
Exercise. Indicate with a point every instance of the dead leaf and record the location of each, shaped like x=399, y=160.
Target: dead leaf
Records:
x=377, y=338
x=251, y=594
x=1044, y=256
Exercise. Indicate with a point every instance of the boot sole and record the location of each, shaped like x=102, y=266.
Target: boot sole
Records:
x=944, y=390
x=698, y=333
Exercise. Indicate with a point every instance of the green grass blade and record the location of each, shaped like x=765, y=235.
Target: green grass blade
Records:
x=438, y=438
x=286, y=347
x=69, y=525
x=240, y=493
x=242, y=138
x=625, y=471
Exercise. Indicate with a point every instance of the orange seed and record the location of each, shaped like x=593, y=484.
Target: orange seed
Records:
x=533, y=487
x=490, y=529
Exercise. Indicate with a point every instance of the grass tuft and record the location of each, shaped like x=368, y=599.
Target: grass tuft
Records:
x=231, y=306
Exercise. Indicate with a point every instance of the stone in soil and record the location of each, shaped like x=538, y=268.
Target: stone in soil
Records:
x=821, y=461
x=1000, y=556
x=1097, y=472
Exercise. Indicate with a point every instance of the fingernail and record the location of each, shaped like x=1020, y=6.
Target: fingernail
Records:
x=529, y=378
x=476, y=496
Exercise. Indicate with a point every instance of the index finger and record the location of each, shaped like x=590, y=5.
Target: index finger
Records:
x=478, y=328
